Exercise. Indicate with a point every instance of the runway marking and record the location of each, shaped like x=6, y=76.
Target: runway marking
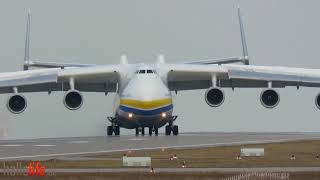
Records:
x=160, y=147
x=137, y=139
x=44, y=145
x=78, y=142
x=11, y=145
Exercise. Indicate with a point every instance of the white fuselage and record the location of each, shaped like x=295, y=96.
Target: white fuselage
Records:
x=143, y=101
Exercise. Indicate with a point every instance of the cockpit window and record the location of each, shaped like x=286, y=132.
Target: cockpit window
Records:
x=148, y=71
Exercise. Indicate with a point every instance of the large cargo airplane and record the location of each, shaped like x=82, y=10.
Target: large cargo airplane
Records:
x=143, y=91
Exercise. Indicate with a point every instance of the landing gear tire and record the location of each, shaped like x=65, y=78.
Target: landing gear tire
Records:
x=138, y=130
x=117, y=130
x=109, y=130
x=168, y=130
x=153, y=129
x=175, y=130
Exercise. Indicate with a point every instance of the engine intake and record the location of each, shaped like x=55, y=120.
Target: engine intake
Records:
x=318, y=101
x=16, y=104
x=73, y=100
x=269, y=98
x=214, y=97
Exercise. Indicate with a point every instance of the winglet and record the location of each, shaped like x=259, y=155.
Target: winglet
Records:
x=243, y=39
x=27, y=43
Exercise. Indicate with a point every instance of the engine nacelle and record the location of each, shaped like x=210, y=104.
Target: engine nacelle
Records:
x=269, y=98
x=214, y=97
x=17, y=104
x=73, y=100
x=318, y=101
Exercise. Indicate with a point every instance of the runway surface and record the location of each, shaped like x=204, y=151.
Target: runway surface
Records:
x=40, y=149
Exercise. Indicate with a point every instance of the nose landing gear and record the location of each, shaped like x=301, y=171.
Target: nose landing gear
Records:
x=140, y=129
x=153, y=129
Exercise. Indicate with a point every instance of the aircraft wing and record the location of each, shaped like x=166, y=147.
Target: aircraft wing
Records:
x=231, y=60
x=87, y=79
x=39, y=64
x=187, y=77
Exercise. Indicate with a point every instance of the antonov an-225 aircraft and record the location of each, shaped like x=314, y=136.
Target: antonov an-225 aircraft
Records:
x=143, y=91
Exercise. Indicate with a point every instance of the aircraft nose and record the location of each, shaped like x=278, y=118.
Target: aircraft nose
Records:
x=148, y=89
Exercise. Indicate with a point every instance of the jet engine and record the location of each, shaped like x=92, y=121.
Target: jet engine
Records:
x=73, y=100
x=214, y=97
x=318, y=101
x=269, y=98
x=17, y=104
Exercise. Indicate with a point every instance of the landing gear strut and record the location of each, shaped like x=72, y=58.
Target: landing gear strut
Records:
x=114, y=128
x=153, y=129
x=140, y=129
x=172, y=128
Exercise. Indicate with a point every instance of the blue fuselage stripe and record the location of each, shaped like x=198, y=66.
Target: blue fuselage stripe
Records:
x=146, y=112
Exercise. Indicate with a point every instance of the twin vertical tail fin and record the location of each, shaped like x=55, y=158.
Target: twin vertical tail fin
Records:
x=27, y=43
x=245, y=55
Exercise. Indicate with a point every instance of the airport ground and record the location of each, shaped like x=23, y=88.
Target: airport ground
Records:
x=164, y=176
x=202, y=163
x=276, y=155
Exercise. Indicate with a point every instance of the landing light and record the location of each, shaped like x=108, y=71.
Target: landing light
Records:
x=130, y=115
x=163, y=115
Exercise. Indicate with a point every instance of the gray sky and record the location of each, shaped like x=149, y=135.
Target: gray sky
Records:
x=285, y=33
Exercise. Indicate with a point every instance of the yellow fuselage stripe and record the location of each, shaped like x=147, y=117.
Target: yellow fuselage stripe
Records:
x=146, y=104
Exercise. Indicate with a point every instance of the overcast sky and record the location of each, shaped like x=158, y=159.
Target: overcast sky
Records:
x=285, y=33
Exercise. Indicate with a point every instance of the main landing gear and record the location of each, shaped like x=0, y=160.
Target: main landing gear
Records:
x=114, y=128
x=151, y=131
x=172, y=128
x=140, y=130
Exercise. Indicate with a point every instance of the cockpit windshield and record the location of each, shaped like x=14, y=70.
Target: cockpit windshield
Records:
x=144, y=71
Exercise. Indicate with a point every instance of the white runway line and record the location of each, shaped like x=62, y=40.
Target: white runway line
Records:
x=44, y=145
x=137, y=139
x=78, y=142
x=11, y=145
x=159, y=147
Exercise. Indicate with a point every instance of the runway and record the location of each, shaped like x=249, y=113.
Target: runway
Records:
x=41, y=149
